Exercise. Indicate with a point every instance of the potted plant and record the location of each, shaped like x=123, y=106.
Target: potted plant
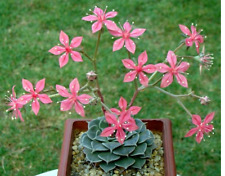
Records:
x=118, y=142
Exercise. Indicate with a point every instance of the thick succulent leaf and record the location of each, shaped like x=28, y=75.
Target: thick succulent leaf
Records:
x=148, y=153
x=92, y=156
x=150, y=141
x=107, y=167
x=111, y=139
x=123, y=151
x=94, y=122
x=103, y=124
x=144, y=136
x=130, y=134
x=140, y=149
x=100, y=138
x=86, y=143
x=108, y=157
x=143, y=127
x=139, y=163
x=125, y=162
x=132, y=141
x=139, y=123
x=92, y=132
x=111, y=145
x=82, y=137
x=97, y=146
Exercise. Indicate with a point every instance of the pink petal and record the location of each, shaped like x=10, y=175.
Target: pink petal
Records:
x=189, y=41
x=111, y=14
x=27, y=85
x=90, y=18
x=56, y=50
x=166, y=80
x=130, y=45
x=35, y=106
x=40, y=86
x=183, y=67
x=110, y=118
x=131, y=125
x=20, y=115
x=63, y=60
x=62, y=91
x=44, y=98
x=162, y=68
x=120, y=135
x=137, y=32
x=181, y=79
x=130, y=76
x=124, y=117
x=197, y=46
x=98, y=11
x=13, y=92
x=74, y=86
x=107, y=131
x=64, y=39
x=115, y=30
x=191, y=132
x=143, y=79
x=172, y=59
x=84, y=98
x=96, y=26
x=134, y=110
x=127, y=26
x=118, y=44
x=196, y=119
x=185, y=30
x=199, y=136
x=193, y=30
x=199, y=38
x=209, y=117
x=66, y=105
x=109, y=24
x=79, y=109
x=149, y=68
x=122, y=104
x=115, y=111
x=76, y=56
x=24, y=99
x=208, y=128
x=76, y=41
x=128, y=63
x=142, y=58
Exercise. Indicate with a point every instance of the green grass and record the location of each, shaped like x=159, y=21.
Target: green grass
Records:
x=29, y=28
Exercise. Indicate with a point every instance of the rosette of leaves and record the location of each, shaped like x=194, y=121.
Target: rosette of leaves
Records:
x=109, y=153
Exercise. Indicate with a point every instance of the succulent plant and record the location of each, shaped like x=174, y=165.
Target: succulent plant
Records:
x=109, y=153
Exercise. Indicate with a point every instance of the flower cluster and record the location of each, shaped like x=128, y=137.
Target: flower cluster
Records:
x=121, y=120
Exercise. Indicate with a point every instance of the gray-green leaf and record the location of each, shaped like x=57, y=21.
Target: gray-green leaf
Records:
x=87, y=142
x=108, y=157
x=107, y=167
x=92, y=156
x=111, y=145
x=144, y=136
x=92, y=132
x=125, y=162
x=97, y=146
x=123, y=151
x=139, y=163
x=140, y=149
x=100, y=138
x=132, y=141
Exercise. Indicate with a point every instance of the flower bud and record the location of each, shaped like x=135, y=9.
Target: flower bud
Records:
x=204, y=100
x=91, y=76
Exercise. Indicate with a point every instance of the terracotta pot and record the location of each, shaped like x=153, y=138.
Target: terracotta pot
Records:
x=162, y=125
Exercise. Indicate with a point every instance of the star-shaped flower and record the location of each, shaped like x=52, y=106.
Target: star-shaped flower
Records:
x=123, y=106
x=194, y=36
x=16, y=105
x=100, y=17
x=175, y=70
x=35, y=94
x=126, y=34
x=201, y=127
x=68, y=49
x=124, y=122
x=73, y=99
x=139, y=69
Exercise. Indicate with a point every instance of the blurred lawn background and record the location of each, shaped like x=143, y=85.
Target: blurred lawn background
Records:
x=29, y=28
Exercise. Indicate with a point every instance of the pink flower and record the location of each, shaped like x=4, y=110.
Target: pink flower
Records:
x=100, y=17
x=73, y=98
x=139, y=69
x=16, y=105
x=126, y=34
x=123, y=106
x=68, y=49
x=193, y=37
x=175, y=70
x=201, y=127
x=35, y=94
x=125, y=122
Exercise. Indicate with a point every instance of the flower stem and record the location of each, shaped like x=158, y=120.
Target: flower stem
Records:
x=85, y=54
x=182, y=44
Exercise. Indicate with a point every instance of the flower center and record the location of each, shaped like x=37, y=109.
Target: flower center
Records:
x=101, y=18
x=34, y=94
x=126, y=35
x=68, y=49
x=139, y=69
